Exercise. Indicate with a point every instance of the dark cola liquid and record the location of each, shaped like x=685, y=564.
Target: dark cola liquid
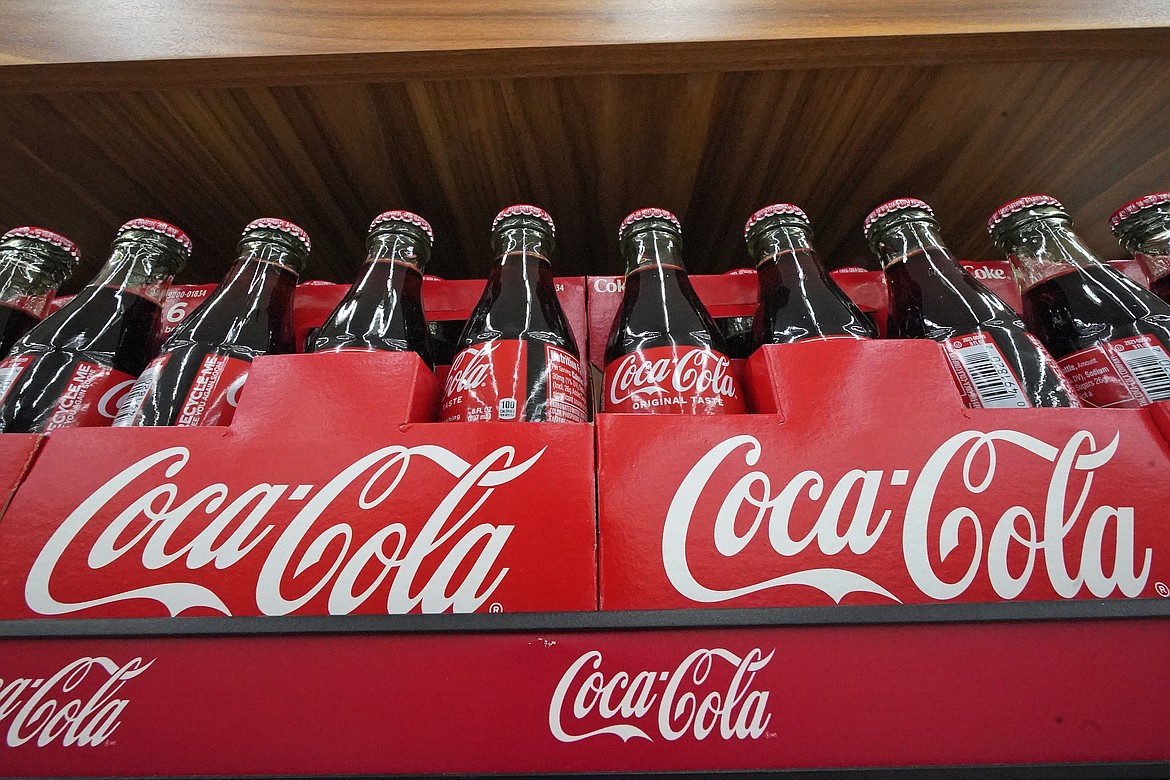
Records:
x=520, y=303
x=799, y=301
x=661, y=309
x=931, y=297
x=14, y=323
x=737, y=335
x=106, y=326
x=249, y=315
x=1075, y=310
x=444, y=339
x=383, y=311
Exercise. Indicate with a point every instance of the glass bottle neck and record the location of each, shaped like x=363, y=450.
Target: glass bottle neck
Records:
x=24, y=281
x=912, y=243
x=652, y=248
x=1043, y=248
x=144, y=269
x=397, y=249
x=788, y=247
x=271, y=253
x=521, y=246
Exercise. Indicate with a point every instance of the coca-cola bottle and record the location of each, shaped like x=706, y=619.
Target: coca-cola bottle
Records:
x=33, y=264
x=1143, y=228
x=1109, y=334
x=383, y=309
x=72, y=367
x=798, y=300
x=517, y=358
x=202, y=366
x=995, y=361
x=737, y=331
x=665, y=354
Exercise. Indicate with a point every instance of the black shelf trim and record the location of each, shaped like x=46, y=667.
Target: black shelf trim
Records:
x=631, y=620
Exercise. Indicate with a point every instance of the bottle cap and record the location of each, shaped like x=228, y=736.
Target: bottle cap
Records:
x=769, y=211
x=1019, y=204
x=160, y=227
x=525, y=210
x=284, y=226
x=648, y=213
x=1137, y=206
x=408, y=217
x=891, y=206
x=46, y=236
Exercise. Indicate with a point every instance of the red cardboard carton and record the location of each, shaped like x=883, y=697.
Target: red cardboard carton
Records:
x=331, y=492
x=863, y=479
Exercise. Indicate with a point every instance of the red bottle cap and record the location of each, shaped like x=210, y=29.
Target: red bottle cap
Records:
x=1134, y=206
x=1019, y=204
x=531, y=211
x=158, y=226
x=890, y=206
x=284, y=226
x=650, y=213
x=48, y=236
x=768, y=211
x=408, y=217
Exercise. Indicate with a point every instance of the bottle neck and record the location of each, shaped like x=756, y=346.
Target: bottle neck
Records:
x=398, y=249
x=24, y=281
x=786, y=248
x=915, y=244
x=142, y=268
x=1042, y=248
x=652, y=249
x=521, y=254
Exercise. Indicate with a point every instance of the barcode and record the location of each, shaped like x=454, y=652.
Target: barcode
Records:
x=1150, y=366
x=992, y=379
x=133, y=400
x=8, y=376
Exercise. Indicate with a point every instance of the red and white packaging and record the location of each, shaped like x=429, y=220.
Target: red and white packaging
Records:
x=865, y=480
x=17, y=452
x=331, y=492
x=666, y=700
x=732, y=294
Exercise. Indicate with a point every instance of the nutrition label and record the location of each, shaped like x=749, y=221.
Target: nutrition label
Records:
x=1128, y=372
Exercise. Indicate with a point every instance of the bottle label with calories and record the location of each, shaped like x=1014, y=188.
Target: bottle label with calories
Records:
x=984, y=376
x=672, y=380
x=490, y=381
x=1128, y=372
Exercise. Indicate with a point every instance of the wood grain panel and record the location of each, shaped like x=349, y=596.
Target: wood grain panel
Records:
x=590, y=148
x=48, y=31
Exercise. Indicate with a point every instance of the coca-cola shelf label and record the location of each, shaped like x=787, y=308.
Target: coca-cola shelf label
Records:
x=879, y=497
x=591, y=701
x=672, y=380
x=1125, y=373
x=268, y=518
x=499, y=380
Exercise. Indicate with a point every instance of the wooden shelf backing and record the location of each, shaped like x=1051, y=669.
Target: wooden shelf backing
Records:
x=590, y=148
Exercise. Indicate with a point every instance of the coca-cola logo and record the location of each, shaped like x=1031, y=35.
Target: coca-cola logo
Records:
x=143, y=511
x=984, y=272
x=602, y=284
x=77, y=706
x=471, y=369
x=686, y=371
x=113, y=399
x=1066, y=541
x=710, y=692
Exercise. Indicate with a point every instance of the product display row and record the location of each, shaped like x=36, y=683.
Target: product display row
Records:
x=1089, y=334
